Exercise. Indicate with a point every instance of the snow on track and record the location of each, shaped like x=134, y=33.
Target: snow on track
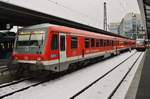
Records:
x=124, y=87
x=15, y=87
x=104, y=88
x=68, y=85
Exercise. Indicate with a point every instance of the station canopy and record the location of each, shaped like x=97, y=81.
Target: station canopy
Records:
x=19, y=16
x=144, y=6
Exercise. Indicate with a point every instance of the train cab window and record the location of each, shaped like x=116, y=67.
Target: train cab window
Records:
x=92, y=42
x=97, y=43
x=54, y=43
x=101, y=42
x=86, y=42
x=74, y=42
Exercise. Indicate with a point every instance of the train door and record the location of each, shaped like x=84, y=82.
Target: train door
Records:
x=62, y=52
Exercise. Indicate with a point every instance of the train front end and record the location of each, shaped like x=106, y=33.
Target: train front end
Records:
x=140, y=45
x=28, y=49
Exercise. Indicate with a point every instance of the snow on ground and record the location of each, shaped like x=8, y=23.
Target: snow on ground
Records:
x=12, y=88
x=68, y=85
x=103, y=88
x=122, y=90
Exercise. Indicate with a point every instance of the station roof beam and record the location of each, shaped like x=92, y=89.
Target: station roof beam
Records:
x=144, y=6
x=20, y=16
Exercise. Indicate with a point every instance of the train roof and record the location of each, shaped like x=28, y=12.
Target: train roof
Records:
x=77, y=31
x=73, y=30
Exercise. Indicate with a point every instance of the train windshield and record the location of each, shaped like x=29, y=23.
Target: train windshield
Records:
x=31, y=41
x=140, y=41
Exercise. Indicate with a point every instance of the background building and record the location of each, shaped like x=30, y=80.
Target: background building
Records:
x=113, y=27
x=131, y=25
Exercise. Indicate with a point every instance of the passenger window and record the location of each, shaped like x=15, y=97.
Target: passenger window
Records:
x=101, y=42
x=86, y=42
x=97, y=43
x=74, y=42
x=54, y=43
x=92, y=42
x=109, y=42
x=105, y=42
x=112, y=43
x=62, y=43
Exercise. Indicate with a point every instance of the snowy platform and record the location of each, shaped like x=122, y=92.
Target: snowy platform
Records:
x=143, y=91
x=67, y=86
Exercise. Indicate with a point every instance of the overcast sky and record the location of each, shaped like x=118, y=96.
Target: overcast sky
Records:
x=84, y=11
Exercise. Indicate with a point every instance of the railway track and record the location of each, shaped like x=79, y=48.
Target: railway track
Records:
x=18, y=86
x=124, y=77
x=14, y=82
x=23, y=85
x=3, y=69
x=104, y=75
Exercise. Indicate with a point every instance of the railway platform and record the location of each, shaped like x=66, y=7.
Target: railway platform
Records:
x=99, y=81
x=140, y=87
x=144, y=84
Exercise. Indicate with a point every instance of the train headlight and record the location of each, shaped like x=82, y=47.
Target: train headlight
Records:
x=39, y=58
x=16, y=58
x=26, y=58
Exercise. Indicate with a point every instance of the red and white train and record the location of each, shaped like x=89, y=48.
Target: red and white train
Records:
x=141, y=44
x=55, y=48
